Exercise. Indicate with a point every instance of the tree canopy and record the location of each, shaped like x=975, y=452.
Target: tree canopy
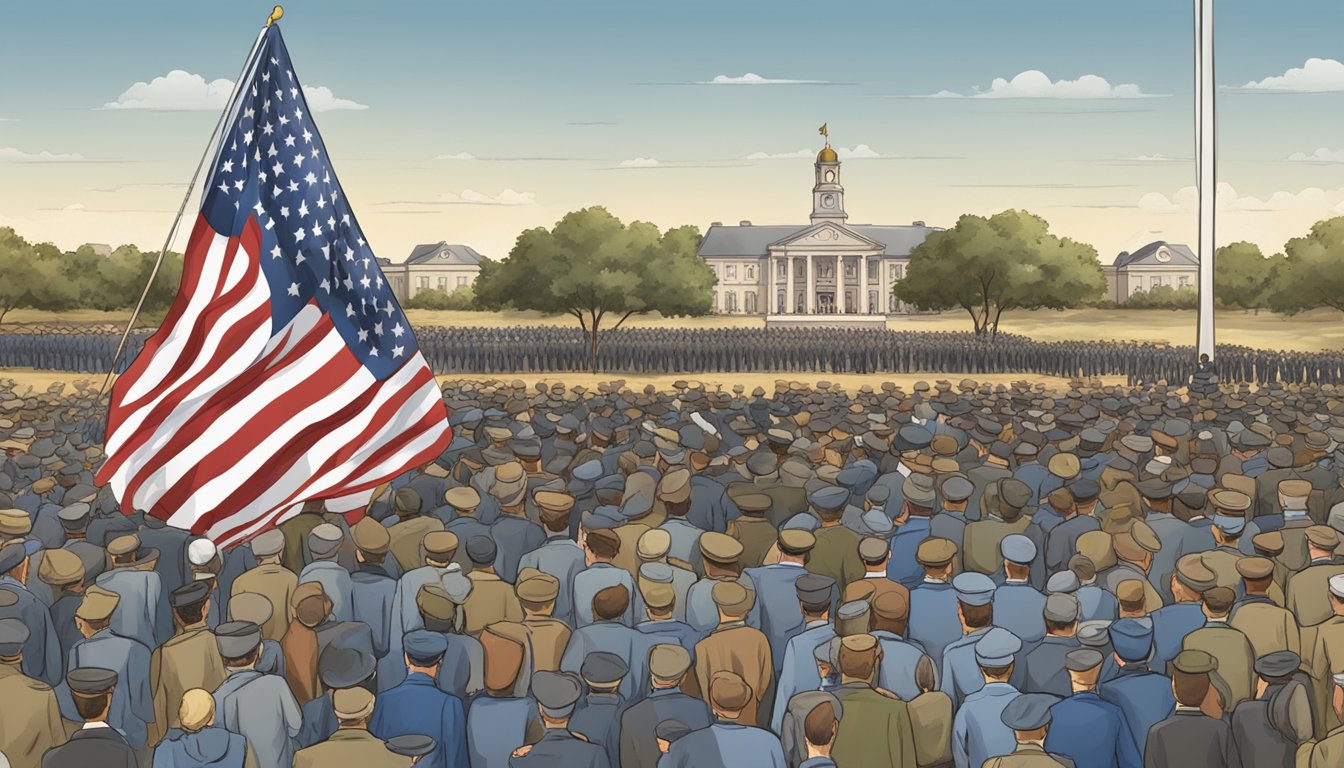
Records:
x=1312, y=272
x=601, y=271
x=1010, y=260
x=1242, y=276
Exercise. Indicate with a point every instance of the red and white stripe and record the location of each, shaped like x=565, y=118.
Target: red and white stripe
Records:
x=226, y=427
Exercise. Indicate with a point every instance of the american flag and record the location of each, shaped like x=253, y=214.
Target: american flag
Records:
x=285, y=371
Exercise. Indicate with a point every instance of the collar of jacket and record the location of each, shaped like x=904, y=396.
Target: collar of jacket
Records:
x=374, y=568
x=727, y=625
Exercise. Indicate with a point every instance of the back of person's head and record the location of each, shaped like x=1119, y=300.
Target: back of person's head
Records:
x=1190, y=688
x=610, y=603
x=820, y=725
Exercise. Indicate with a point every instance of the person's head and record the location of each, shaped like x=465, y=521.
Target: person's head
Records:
x=995, y=653
x=610, y=604
x=440, y=547
x=668, y=664
x=197, y=710
x=1257, y=575
x=190, y=603
x=890, y=612
x=1217, y=602
x=601, y=545
x=860, y=658
x=268, y=546
x=353, y=707
x=926, y=674
x=1029, y=716
x=729, y=695
x=975, y=617
x=1190, y=689
x=820, y=726
x=1084, y=666
x=91, y=691
x=1322, y=541
x=238, y=643
x=94, y=613
x=424, y=651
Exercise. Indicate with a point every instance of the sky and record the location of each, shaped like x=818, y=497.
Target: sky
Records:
x=470, y=122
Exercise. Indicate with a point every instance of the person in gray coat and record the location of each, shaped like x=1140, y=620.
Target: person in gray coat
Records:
x=259, y=707
x=324, y=544
x=666, y=701
x=1043, y=668
x=558, y=556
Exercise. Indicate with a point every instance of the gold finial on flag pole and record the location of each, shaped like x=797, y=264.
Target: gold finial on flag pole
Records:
x=276, y=14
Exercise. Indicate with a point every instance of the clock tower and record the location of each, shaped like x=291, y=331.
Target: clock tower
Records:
x=828, y=197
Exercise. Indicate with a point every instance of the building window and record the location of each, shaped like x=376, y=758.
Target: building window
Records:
x=850, y=269
x=779, y=305
x=749, y=302
x=872, y=268
x=730, y=300
x=750, y=271
x=730, y=271
x=463, y=281
x=826, y=271
x=422, y=283
x=443, y=284
x=1185, y=281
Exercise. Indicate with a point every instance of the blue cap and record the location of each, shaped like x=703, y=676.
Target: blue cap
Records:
x=829, y=499
x=1228, y=524
x=605, y=516
x=423, y=645
x=875, y=522
x=588, y=471
x=854, y=476
x=1065, y=582
x=1132, y=639
x=1028, y=711
x=996, y=648
x=974, y=588
x=913, y=437
x=1018, y=549
x=801, y=522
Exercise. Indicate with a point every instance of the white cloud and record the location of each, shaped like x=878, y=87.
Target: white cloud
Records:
x=1315, y=76
x=1186, y=200
x=1035, y=84
x=74, y=207
x=457, y=156
x=859, y=152
x=751, y=78
x=639, y=162
x=780, y=155
x=507, y=197
x=1156, y=157
x=13, y=155
x=183, y=91
x=1322, y=155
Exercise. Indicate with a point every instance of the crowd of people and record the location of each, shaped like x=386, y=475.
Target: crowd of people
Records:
x=546, y=349
x=956, y=575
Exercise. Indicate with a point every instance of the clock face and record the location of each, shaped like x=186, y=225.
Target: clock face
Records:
x=830, y=177
x=828, y=201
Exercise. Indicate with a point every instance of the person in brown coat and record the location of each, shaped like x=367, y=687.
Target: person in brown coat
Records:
x=31, y=724
x=1269, y=627
x=755, y=532
x=190, y=659
x=311, y=607
x=546, y=636
x=491, y=599
x=1307, y=594
x=410, y=528
x=735, y=647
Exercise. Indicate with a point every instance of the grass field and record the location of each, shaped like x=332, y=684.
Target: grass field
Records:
x=1310, y=331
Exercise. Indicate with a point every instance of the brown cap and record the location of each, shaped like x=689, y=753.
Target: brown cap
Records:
x=462, y=497
x=555, y=501
x=675, y=486
x=1271, y=543
x=873, y=549
x=1130, y=591
x=729, y=692
x=732, y=598
x=1194, y=662
x=503, y=658
x=440, y=543
x=935, y=552
x=1295, y=489
x=753, y=502
x=371, y=537
x=1194, y=574
x=122, y=546
x=892, y=604
x=1144, y=536
x=311, y=604
x=657, y=595
x=668, y=661
x=433, y=602
x=352, y=703
x=720, y=547
x=653, y=544
x=1255, y=567
x=536, y=587
x=98, y=604
x=1323, y=537
x=1234, y=501
x=796, y=541
x=60, y=567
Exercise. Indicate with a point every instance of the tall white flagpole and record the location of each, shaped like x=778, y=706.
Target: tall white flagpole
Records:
x=1206, y=158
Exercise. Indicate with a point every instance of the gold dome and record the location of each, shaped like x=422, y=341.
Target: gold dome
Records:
x=827, y=155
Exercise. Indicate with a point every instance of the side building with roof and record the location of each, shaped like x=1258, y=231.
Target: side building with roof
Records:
x=1155, y=264
x=434, y=266
x=828, y=267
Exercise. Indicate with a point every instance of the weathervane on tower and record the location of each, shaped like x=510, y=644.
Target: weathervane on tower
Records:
x=825, y=133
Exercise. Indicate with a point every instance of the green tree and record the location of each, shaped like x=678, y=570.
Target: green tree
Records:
x=32, y=275
x=1312, y=272
x=1163, y=297
x=987, y=266
x=1242, y=276
x=462, y=298
x=598, y=269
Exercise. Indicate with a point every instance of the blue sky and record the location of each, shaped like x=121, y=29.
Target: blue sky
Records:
x=544, y=102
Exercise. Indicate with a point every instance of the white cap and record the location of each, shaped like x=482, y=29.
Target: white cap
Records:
x=201, y=551
x=1337, y=585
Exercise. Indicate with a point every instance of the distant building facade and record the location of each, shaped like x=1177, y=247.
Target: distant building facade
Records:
x=434, y=266
x=828, y=267
x=1154, y=264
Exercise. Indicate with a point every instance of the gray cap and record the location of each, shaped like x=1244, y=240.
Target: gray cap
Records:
x=270, y=543
x=13, y=634
x=481, y=550
x=603, y=668
x=1082, y=659
x=1061, y=608
x=324, y=540
x=829, y=499
x=974, y=588
x=957, y=488
x=556, y=692
x=659, y=573
x=1094, y=634
x=236, y=639
x=996, y=648
x=854, y=609
x=410, y=745
x=1018, y=549
x=1064, y=582
x=918, y=489
x=456, y=584
x=813, y=588
x=91, y=680
x=1028, y=712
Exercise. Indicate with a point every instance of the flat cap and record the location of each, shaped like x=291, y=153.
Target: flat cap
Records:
x=1194, y=662
x=731, y=597
x=342, y=667
x=918, y=489
x=1129, y=591
x=814, y=588
x=1323, y=537
x=60, y=567
x=411, y=745
x=13, y=635
x=1062, y=583
x=91, y=681
x=675, y=486
x=98, y=604
x=1061, y=607
x=1234, y=501
x=1294, y=489
x=462, y=497
x=1014, y=492
x=604, y=517
x=1064, y=465
x=795, y=541
x=668, y=661
x=729, y=692
x=423, y=645
x=1132, y=639
x=191, y=593
x=829, y=499
x=996, y=648
x=251, y=606
x=935, y=552
x=236, y=639
x=974, y=588
x=15, y=522
x=720, y=547
x=753, y=502
x=603, y=668
x=352, y=703
x=1018, y=549
x=481, y=550
x=1194, y=574
x=1028, y=712
x=1277, y=664
x=1255, y=567
x=370, y=536
x=1082, y=659
x=269, y=543
x=1094, y=634
x=71, y=516
x=324, y=539
x=556, y=692
x=957, y=488
x=1268, y=543
x=873, y=550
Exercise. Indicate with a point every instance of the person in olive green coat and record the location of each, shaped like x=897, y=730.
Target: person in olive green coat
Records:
x=875, y=730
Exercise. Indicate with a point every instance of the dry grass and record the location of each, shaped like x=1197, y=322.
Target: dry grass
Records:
x=1311, y=331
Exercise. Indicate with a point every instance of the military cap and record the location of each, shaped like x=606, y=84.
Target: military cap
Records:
x=556, y=693
x=1294, y=489
x=731, y=597
x=1279, y=457
x=425, y=647
x=340, y=667
x=534, y=586
x=370, y=536
x=352, y=703
x=668, y=661
x=1063, y=583
x=73, y=516
x=657, y=594
x=829, y=499
x=873, y=550
x=462, y=497
x=943, y=445
x=251, y=606
x=269, y=543
x=1028, y=712
x=411, y=745
x=236, y=639
x=720, y=547
x=675, y=486
x=1132, y=639
x=587, y=472
x=803, y=521
x=1323, y=537
x=1082, y=660
x=191, y=593
x=440, y=543
x=996, y=647
x=913, y=437
x=1143, y=535
x=753, y=502
x=853, y=611
x=796, y=542
x=974, y=588
x=860, y=643
x=1082, y=489
x=1336, y=585
x=1094, y=634
x=1268, y=543
x=1194, y=574
x=729, y=692
x=1061, y=607
x=935, y=552
x=1277, y=664
x=1064, y=465
x=481, y=550
x=918, y=489
x=14, y=522
x=201, y=551
x=1154, y=488
x=762, y=463
x=603, y=668
x=1129, y=591
x=98, y=604
x=90, y=681
x=814, y=588
x=60, y=567
x=1014, y=492
x=957, y=488
x=1194, y=662
x=1255, y=567
x=13, y=635
x=1018, y=549
x=653, y=544
x=1234, y=501
x=406, y=501
x=670, y=730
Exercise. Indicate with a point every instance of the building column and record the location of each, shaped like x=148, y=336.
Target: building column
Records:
x=840, y=303
x=811, y=297
x=863, y=285
x=884, y=286
x=789, y=301
x=772, y=293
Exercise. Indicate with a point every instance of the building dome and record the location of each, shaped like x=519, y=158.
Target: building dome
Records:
x=827, y=155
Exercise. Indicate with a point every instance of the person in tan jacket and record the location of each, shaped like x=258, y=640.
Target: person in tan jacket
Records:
x=735, y=647
x=352, y=746
x=546, y=636
x=271, y=580
x=491, y=599
x=1269, y=627
x=32, y=719
x=190, y=659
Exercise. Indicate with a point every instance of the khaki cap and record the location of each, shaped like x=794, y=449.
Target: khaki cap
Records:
x=371, y=537
x=753, y=502
x=658, y=595
x=796, y=541
x=433, y=602
x=732, y=597
x=556, y=501
x=720, y=547
x=653, y=544
x=352, y=703
x=1194, y=662
x=537, y=587
x=440, y=543
x=251, y=606
x=1323, y=537
x=1064, y=466
x=197, y=710
x=1235, y=501
x=15, y=522
x=1255, y=567
x=668, y=661
x=1194, y=574
x=123, y=545
x=892, y=604
x=462, y=497
x=935, y=552
x=1130, y=591
x=1270, y=543
x=98, y=604
x=60, y=567
x=511, y=472
x=675, y=487
x=729, y=692
x=1144, y=536
x=1295, y=489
